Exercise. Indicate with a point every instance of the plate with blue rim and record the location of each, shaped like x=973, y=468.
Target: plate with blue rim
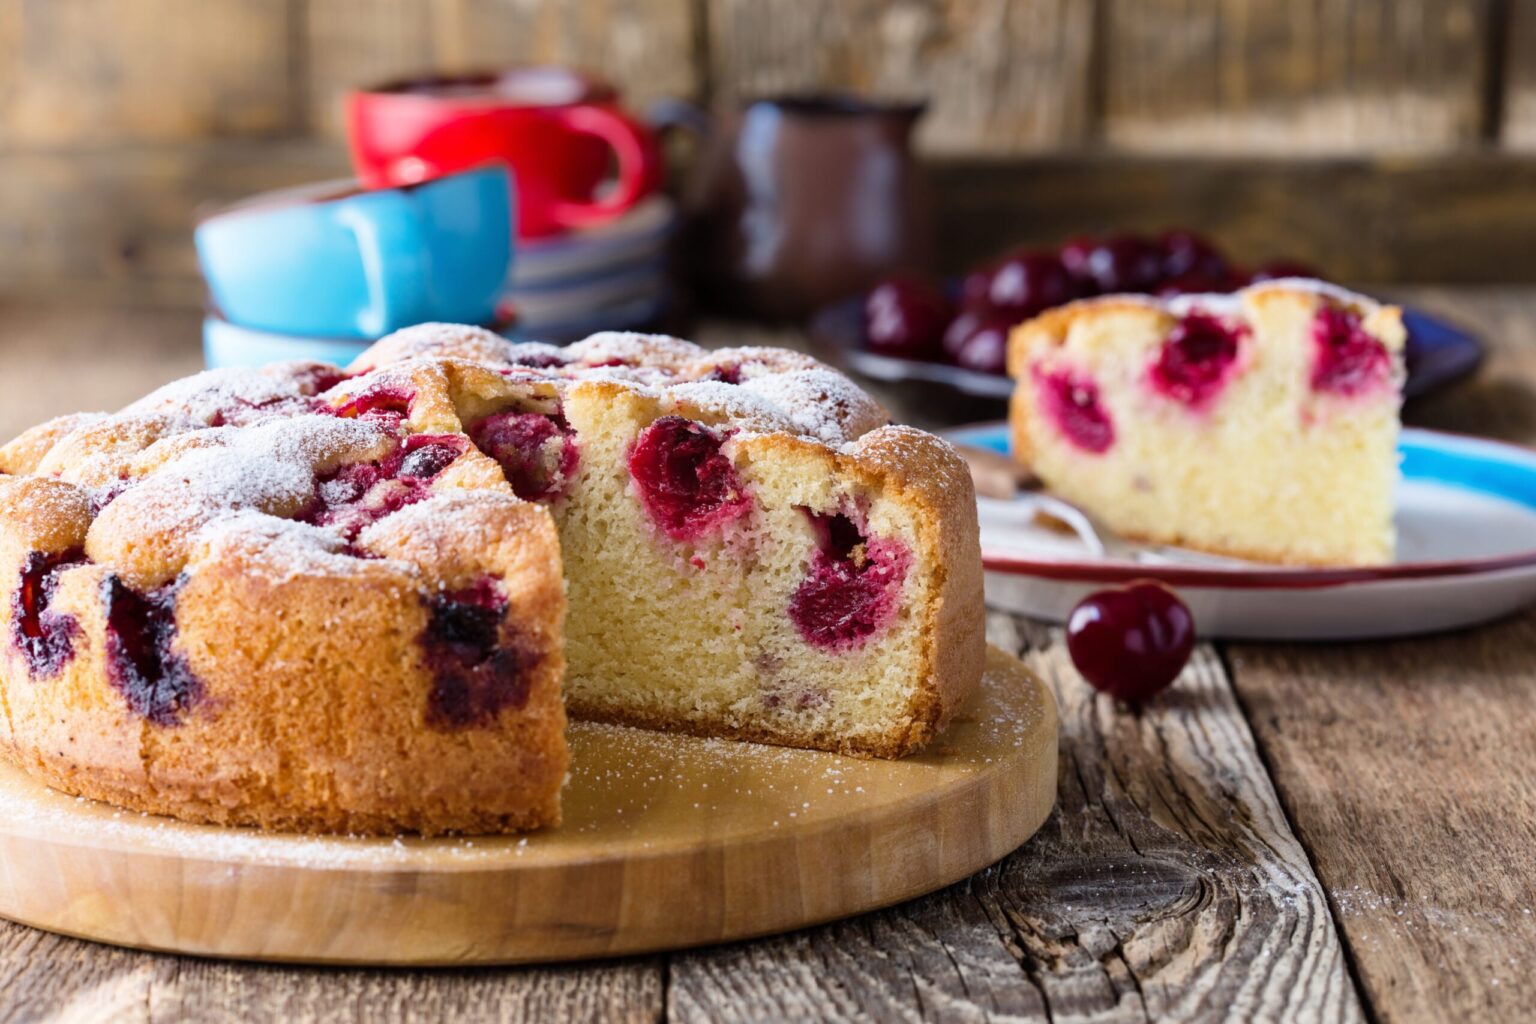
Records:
x=1466, y=554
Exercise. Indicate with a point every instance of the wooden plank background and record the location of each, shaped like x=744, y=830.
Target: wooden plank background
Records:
x=117, y=118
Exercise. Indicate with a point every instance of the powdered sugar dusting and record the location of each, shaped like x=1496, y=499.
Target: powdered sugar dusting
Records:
x=234, y=396
x=656, y=350
x=269, y=468
x=278, y=550
x=437, y=339
x=820, y=403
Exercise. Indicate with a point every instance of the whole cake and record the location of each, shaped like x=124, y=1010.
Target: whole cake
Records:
x=1261, y=425
x=313, y=599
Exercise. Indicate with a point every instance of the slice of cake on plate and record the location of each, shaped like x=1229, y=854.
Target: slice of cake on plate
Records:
x=1260, y=425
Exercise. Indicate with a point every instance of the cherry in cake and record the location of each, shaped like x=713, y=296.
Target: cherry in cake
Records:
x=385, y=402
x=361, y=493
x=1071, y=400
x=687, y=485
x=1348, y=360
x=537, y=452
x=1292, y=456
x=44, y=637
x=142, y=661
x=1196, y=358
x=477, y=669
x=854, y=585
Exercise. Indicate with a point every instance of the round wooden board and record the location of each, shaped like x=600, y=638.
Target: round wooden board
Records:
x=668, y=841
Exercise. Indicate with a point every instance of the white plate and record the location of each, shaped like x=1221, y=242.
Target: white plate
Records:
x=1466, y=520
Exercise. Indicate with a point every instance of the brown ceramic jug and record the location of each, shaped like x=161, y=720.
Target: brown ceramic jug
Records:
x=795, y=202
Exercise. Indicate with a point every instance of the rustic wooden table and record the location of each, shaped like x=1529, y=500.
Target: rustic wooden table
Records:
x=1294, y=832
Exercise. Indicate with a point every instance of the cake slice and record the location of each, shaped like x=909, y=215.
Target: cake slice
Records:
x=1261, y=425
x=750, y=548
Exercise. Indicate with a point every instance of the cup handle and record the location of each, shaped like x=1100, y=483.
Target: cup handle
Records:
x=388, y=234
x=638, y=166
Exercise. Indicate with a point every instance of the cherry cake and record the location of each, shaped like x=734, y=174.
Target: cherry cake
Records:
x=1261, y=425
x=363, y=601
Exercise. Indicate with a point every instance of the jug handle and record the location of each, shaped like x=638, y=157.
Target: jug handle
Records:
x=668, y=115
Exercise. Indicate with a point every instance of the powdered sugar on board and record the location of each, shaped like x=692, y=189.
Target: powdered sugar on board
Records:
x=632, y=792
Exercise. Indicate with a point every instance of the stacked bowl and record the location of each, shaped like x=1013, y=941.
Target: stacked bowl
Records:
x=323, y=271
x=434, y=229
x=612, y=276
x=591, y=227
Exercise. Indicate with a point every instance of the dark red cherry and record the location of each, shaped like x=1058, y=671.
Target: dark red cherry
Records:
x=976, y=289
x=1025, y=283
x=143, y=663
x=960, y=330
x=1125, y=263
x=1131, y=642
x=1276, y=269
x=985, y=348
x=905, y=317
x=1193, y=284
x=479, y=666
x=1184, y=252
x=1074, y=254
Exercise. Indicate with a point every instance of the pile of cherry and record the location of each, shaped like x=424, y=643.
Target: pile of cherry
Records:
x=911, y=317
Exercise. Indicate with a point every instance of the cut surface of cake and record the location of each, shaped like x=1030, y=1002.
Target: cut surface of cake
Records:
x=1260, y=425
x=312, y=599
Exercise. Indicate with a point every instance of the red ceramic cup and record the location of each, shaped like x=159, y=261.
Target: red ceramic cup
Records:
x=555, y=128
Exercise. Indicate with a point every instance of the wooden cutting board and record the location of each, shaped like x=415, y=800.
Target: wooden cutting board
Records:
x=668, y=841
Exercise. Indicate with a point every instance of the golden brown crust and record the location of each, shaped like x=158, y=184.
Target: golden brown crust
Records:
x=23, y=453
x=313, y=708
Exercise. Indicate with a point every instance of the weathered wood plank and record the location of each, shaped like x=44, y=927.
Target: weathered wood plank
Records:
x=351, y=43
x=117, y=226
x=48, y=977
x=1342, y=76
x=1167, y=886
x=1001, y=77
x=1518, y=120
x=89, y=73
x=647, y=47
x=1409, y=767
x=1462, y=218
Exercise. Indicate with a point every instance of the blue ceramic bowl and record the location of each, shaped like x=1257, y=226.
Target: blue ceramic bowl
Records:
x=335, y=261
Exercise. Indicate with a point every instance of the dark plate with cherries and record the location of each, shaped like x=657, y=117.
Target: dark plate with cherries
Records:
x=954, y=334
